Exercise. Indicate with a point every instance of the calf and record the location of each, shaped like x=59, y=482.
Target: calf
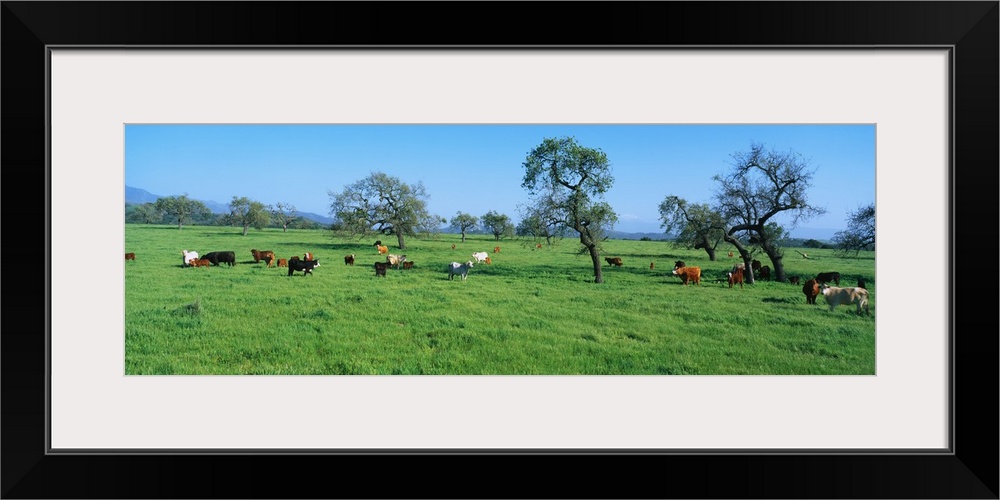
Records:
x=382, y=250
x=496, y=249
x=828, y=277
x=408, y=264
x=203, y=263
x=489, y=261
x=538, y=246
x=811, y=290
x=736, y=277
x=836, y=296
x=349, y=260
x=480, y=256
x=452, y=246
x=380, y=268
x=306, y=266
x=614, y=261
x=282, y=262
x=793, y=280
x=730, y=255
x=651, y=265
x=755, y=265
x=130, y=256
x=216, y=258
x=689, y=273
x=459, y=269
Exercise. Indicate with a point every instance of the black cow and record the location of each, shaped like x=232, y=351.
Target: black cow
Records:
x=306, y=266
x=827, y=277
x=216, y=258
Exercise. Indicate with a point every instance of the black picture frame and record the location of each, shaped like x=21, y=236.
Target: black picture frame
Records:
x=969, y=28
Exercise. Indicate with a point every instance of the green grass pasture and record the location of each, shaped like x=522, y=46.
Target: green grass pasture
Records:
x=532, y=312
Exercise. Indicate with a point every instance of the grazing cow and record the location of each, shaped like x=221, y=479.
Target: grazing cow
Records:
x=187, y=256
x=811, y=291
x=382, y=250
x=489, y=261
x=130, y=256
x=395, y=260
x=308, y=256
x=741, y=266
x=306, y=266
x=828, y=277
x=380, y=268
x=755, y=265
x=861, y=283
x=408, y=264
x=765, y=273
x=736, y=277
x=480, y=256
x=730, y=255
x=614, y=261
x=793, y=280
x=349, y=260
x=452, y=246
x=679, y=264
x=651, y=265
x=496, y=249
x=204, y=262
x=689, y=273
x=459, y=269
x=282, y=262
x=263, y=255
x=538, y=246
x=836, y=296
x=216, y=258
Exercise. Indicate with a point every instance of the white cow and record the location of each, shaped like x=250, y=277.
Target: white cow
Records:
x=187, y=256
x=459, y=269
x=395, y=260
x=836, y=296
x=480, y=256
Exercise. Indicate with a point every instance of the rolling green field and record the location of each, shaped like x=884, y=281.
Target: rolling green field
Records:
x=532, y=312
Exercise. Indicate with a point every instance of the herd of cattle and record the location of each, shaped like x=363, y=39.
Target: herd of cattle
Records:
x=812, y=288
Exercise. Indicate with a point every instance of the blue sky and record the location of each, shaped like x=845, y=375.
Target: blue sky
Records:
x=478, y=168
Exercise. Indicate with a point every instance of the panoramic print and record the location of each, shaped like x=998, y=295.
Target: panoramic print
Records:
x=529, y=249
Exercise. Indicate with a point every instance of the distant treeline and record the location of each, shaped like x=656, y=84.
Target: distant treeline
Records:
x=135, y=214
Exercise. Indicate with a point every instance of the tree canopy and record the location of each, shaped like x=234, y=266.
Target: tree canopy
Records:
x=463, y=222
x=695, y=225
x=245, y=212
x=860, y=232
x=762, y=184
x=566, y=181
x=498, y=224
x=181, y=209
x=382, y=204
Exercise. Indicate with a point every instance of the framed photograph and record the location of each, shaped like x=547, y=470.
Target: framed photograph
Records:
x=91, y=87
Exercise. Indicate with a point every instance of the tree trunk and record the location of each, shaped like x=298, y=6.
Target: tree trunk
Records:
x=246, y=228
x=463, y=236
x=776, y=262
x=745, y=255
x=399, y=238
x=596, y=258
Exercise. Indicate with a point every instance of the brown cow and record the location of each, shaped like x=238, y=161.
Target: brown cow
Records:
x=652, y=265
x=282, y=262
x=130, y=256
x=811, y=291
x=614, y=261
x=489, y=261
x=263, y=255
x=730, y=255
x=538, y=246
x=407, y=264
x=496, y=249
x=452, y=246
x=793, y=280
x=755, y=265
x=689, y=273
x=736, y=277
x=383, y=250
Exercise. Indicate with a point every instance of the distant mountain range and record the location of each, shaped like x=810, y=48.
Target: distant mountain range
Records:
x=136, y=196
